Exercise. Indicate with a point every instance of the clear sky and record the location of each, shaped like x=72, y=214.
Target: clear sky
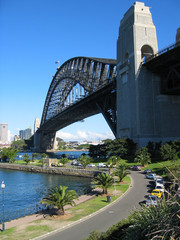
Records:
x=36, y=33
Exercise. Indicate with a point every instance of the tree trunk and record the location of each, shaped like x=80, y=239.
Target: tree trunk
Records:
x=60, y=211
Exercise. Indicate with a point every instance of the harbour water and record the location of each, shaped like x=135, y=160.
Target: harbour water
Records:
x=25, y=189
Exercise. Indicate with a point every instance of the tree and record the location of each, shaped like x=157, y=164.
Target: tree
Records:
x=44, y=155
x=35, y=156
x=19, y=145
x=120, y=147
x=61, y=143
x=113, y=160
x=8, y=153
x=168, y=152
x=143, y=156
x=26, y=158
x=98, y=151
x=121, y=172
x=104, y=181
x=64, y=161
x=84, y=160
x=59, y=197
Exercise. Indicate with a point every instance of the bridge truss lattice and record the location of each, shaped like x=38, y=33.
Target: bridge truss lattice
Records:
x=75, y=81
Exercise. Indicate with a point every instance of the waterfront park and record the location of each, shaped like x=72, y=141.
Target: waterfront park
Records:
x=109, y=184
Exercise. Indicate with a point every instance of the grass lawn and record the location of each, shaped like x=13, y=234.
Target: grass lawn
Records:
x=161, y=167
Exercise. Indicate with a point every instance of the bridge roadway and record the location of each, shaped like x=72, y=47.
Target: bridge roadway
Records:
x=109, y=216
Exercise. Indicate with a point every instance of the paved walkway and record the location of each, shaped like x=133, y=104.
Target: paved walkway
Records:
x=33, y=217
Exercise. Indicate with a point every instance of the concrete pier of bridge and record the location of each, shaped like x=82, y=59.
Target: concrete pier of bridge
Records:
x=145, y=112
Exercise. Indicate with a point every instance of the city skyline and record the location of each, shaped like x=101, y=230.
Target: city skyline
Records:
x=34, y=35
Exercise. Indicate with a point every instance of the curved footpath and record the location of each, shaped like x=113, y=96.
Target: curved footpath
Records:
x=106, y=217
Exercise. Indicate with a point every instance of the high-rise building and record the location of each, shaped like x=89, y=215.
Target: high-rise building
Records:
x=36, y=124
x=4, y=133
x=25, y=134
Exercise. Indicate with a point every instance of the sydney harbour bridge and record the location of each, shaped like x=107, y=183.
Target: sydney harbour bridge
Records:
x=85, y=86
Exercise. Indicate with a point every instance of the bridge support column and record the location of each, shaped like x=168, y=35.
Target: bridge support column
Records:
x=135, y=86
x=44, y=141
x=143, y=113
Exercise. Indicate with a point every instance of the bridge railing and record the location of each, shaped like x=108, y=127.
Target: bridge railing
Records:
x=172, y=46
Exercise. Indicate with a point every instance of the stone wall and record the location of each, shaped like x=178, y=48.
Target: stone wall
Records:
x=51, y=170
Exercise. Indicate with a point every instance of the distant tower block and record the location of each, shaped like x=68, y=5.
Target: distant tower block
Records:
x=36, y=124
x=3, y=133
x=137, y=40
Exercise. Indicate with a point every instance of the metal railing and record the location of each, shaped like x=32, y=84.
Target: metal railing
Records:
x=162, y=51
x=12, y=215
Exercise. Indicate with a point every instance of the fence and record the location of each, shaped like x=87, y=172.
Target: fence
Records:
x=21, y=213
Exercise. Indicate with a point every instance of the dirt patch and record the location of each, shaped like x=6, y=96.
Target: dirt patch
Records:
x=61, y=217
x=124, y=183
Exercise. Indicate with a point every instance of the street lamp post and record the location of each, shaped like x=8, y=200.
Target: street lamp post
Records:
x=3, y=186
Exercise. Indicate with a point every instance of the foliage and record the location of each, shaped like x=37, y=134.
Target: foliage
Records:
x=19, y=145
x=83, y=146
x=113, y=160
x=64, y=155
x=161, y=222
x=61, y=143
x=35, y=155
x=84, y=160
x=117, y=147
x=8, y=153
x=154, y=149
x=104, y=181
x=59, y=197
x=121, y=172
x=64, y=161
x=44, y=155
x=121, y=147
x=98, y=151
x=26, y=158
x=143, y=156
x=168, y=152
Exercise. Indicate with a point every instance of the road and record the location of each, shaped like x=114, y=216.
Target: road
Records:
x=109, y=216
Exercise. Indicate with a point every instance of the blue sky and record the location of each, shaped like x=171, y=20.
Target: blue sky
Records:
x=36, y=33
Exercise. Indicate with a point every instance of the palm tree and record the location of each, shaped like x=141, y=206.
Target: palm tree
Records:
x=143, y=156
x=104, y=181
x=59, y=197
x=121, y=172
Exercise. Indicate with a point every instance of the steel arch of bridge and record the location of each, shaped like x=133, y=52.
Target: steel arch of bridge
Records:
x=81, y=79
x=80, y=74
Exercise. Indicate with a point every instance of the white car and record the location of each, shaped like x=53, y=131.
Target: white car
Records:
x=91, y=165
x=101, y=165
x=160, y=187
x=159, y=181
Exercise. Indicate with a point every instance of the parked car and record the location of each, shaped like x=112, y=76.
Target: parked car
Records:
x=136, y=168
x=160, y=187
x=159, y=183
x=151, y=176
x=91, y=165
x=101, y=165
x=147, y=171
x=159, y=179
x=74, y=162
x=157, y=192
x=152, y=200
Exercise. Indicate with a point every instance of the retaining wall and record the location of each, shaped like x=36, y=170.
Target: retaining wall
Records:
x=51, y=170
